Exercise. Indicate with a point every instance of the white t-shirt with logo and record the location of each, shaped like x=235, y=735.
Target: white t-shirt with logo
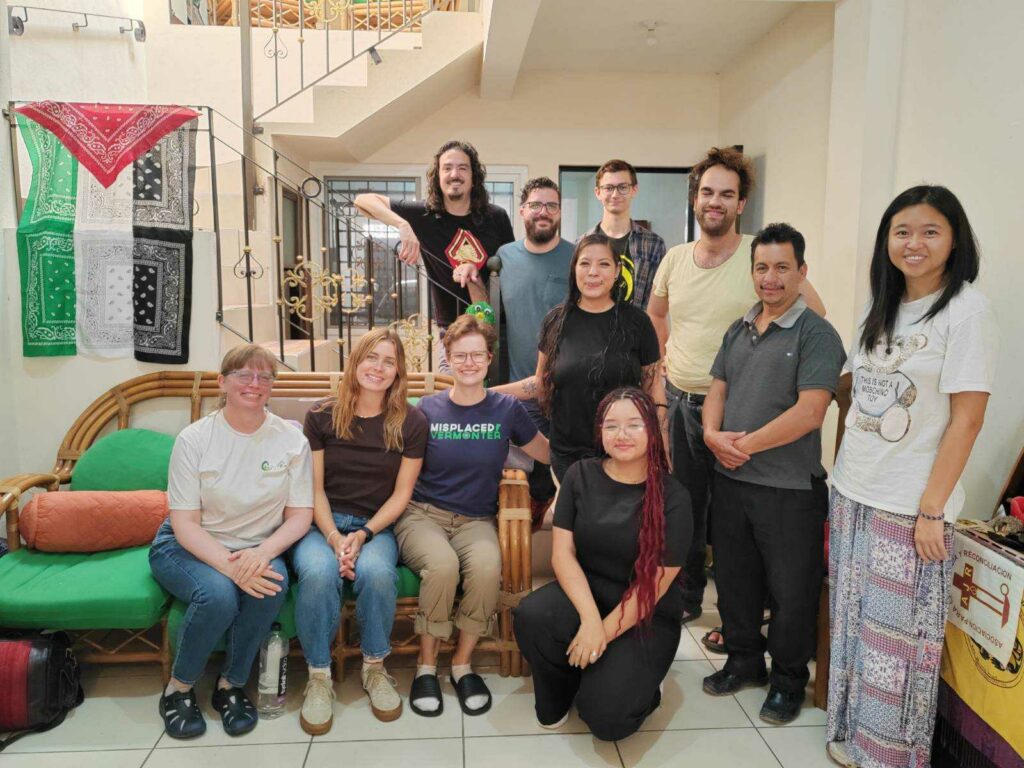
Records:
x=901, y=400
x=240, y=483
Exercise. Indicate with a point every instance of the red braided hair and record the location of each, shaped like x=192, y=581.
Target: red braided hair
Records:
x=652, y=506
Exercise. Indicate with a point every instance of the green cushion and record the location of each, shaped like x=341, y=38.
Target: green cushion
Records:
x=126, y=460
x=408, y=585
x=101, y=590
x=177, y=613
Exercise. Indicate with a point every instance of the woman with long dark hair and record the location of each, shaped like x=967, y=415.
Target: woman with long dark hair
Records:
x=589, y=345
x=605, y=633
x=923, y=366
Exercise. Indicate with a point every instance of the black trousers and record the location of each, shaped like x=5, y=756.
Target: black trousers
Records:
x=615, y=694
x=769, y=540
x=693, y=464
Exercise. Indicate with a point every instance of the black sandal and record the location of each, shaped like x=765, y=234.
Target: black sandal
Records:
x=237, y=712
x=182, y=716
x=426, y=687
x=711, y=645
x=472, y=685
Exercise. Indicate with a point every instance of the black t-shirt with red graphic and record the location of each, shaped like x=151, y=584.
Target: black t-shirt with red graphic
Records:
x=447, y=241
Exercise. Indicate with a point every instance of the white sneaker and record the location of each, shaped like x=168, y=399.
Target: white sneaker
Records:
x=317, y=714
x=838, y=754
x=380, y=687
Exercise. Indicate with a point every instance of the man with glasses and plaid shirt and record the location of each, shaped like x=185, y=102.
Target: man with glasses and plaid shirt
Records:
x=639, y=249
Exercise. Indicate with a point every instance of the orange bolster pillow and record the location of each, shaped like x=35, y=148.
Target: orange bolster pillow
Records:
x=92, y=521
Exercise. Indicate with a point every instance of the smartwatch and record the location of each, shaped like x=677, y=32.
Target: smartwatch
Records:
x=368, y=532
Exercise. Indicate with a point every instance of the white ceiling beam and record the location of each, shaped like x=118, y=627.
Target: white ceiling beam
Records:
x=509, y=24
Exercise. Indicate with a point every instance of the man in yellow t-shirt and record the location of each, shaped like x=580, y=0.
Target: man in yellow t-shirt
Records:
x=700, y=288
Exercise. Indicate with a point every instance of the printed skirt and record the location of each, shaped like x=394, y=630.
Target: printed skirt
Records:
x=888, y=611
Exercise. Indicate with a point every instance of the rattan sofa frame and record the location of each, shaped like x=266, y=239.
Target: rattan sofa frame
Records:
x=151, y=644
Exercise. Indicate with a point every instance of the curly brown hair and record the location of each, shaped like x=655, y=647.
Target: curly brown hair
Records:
x=732, y=159
x=478, y=198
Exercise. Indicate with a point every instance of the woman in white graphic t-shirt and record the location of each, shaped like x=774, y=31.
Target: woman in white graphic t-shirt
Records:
x=240, y=493
x=922, y=363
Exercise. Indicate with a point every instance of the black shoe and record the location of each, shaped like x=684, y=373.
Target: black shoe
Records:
x=181, y=714
x=237, y=712
x=725, y=683
x=781, y=707
x=689, y=614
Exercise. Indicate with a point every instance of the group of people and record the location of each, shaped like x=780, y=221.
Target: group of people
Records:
x=674, y=399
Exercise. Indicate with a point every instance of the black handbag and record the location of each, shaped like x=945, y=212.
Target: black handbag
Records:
x=39, y=683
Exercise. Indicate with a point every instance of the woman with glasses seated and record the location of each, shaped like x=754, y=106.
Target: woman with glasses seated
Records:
x=448, y=534
x=606, y=632
x=589, y=345
x=367, y=448
x=240, y=493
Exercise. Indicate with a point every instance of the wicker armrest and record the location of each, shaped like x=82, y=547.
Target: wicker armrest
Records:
x=514, y=532
x=10, y=498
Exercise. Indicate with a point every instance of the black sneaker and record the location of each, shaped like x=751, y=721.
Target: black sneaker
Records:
x=237, y=712
x=181, y=714
x=725, y=683
x=781, y=707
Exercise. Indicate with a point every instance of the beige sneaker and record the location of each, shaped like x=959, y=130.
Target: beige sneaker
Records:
x=380, y=687
x=317, y=715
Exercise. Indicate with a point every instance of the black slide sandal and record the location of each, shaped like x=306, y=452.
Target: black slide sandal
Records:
x=472, y=685
x=426, y=687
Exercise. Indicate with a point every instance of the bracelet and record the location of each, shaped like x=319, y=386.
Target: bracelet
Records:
x=930, y=517
x=329, y=535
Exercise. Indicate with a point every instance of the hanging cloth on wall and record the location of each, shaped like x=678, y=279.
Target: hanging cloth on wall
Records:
x=46, y=254
x=163, y=191
x=107, y=137
x=103, y=266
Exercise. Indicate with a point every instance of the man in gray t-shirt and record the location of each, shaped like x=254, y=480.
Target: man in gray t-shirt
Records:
x=774, y=377
x=534, y=279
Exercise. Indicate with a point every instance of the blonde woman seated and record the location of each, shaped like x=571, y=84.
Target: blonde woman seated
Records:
x=240, y=493
x=448, y=533
x=367, y=450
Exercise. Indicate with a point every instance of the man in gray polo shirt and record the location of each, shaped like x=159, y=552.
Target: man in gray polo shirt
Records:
x=774, y=378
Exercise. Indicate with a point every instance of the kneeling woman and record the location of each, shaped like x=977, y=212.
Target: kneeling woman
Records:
x=367, y=450
x=605, y=633
x=448, y=533
x=240, y=493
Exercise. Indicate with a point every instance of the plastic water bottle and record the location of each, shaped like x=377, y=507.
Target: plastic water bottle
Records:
x=273, y=680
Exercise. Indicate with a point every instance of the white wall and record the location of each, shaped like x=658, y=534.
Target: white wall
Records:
x=564, y=118
x=961, y=108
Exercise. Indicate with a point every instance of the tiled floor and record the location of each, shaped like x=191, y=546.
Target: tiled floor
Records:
x=118, y=727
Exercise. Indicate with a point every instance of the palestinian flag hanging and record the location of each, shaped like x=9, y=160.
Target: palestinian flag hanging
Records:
x=105, y=239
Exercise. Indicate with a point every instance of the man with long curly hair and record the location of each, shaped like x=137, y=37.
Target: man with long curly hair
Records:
x=453, y=232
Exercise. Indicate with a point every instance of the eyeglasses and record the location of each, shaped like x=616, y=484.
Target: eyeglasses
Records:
x=622, y=189
x=477, y=357
x=535, y=207
x=245, y=376
x=632, y=429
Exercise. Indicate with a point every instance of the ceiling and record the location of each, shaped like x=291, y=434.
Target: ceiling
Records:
x=694, y=36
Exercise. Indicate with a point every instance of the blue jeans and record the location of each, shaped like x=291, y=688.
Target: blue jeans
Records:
x=318, y=606
x=215, y=606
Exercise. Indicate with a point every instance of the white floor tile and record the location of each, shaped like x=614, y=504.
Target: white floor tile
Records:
x=685, y=705
x=421, y=753
x=354, y=720
x=550, y=751
x=242, y=754
x=129, y=758
x=118, y=713
x=689, y=649
x=512, y=711
x=799, y=747
x=735, y=748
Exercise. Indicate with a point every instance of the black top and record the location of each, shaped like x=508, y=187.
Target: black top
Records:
x=604, y=517
x=620, y=247
x=449, y=241
x=598, y=352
